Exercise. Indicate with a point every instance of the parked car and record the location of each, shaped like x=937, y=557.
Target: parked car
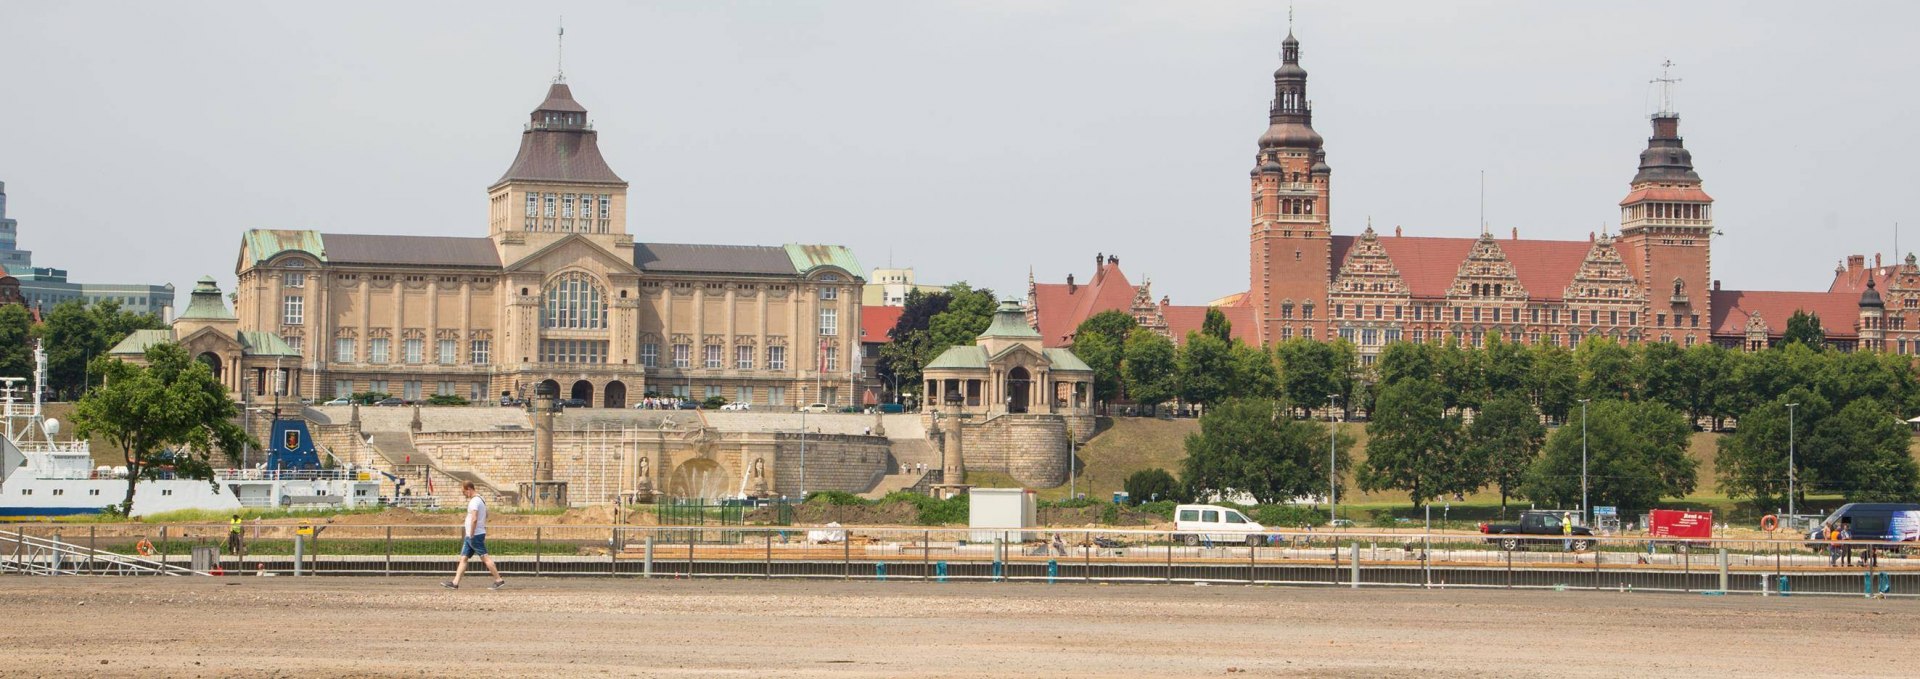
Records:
x=510, y=402
x=342, y=401
x=814, y=408
x=689, y=405
x=1193, y=524
x=391, y=402
x=1548, y=526
x=737, y=406
x=574, y=403
x=891, y=408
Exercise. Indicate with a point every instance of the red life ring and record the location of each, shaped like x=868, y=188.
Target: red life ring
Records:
x=1769, y=523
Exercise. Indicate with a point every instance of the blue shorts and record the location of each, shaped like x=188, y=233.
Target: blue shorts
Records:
x=473, y=546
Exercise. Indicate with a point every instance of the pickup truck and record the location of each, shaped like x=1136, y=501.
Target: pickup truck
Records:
x=1537, y=528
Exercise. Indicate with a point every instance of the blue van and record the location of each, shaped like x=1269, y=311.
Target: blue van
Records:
x=1878, y=521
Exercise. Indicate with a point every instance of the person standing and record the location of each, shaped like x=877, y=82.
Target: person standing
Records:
x=234, y=544
x=473, y=540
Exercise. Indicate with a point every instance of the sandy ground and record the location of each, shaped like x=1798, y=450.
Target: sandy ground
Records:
x=286, y=627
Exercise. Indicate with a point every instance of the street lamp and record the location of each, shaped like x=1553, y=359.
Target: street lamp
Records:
x=1790, y=470
x=1583, y=457
x=1333, y=460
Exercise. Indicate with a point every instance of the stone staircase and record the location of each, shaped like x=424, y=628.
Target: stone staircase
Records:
x=917, y=482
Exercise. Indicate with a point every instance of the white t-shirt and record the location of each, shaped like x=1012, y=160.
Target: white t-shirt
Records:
x=478, y=510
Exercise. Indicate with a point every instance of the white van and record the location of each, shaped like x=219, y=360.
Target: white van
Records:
x=1194, y=524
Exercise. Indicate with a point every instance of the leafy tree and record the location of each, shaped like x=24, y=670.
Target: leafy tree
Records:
x=908, y=347
x=1606, y=369
x=1404, y=360
x=1752, y=462
x=16, y=351
x=1508, y=368
x=1216, y=325
x=968, y=315
x=1506, y=435
x=1306, y=372
x=1104, y=356
x=1151, y=367
x=1460, y=374
x=1150, y=485
x=168, y=415
x=1250, y=446
x=1344, y=361
x=1254, y=373
x=1877, y=466
x=1206, y=369
x=73, y=333
x=1637, y=454
x=1705, y=372
x=1415, y=446
x=1662, y=371
x=1804, y=329
x=1115, y=325
x=1555, y=381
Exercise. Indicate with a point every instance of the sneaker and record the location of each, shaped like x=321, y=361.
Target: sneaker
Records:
x=497, y=584
x=449, y=585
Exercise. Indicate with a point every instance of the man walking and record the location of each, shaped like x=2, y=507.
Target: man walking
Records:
x=473, y=540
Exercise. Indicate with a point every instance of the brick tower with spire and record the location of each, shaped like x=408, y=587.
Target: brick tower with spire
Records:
x=1666, y=230
x=1291, y=238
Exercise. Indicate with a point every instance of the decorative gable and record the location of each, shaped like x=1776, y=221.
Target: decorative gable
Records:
x=1368, y=270
x=1487, y=275
x=1603, y=278
x=1145, y=312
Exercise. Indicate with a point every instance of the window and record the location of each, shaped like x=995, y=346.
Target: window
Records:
x=606, y=205
x=586, y=205
x=573, y=302
x=682, y=355
x=343, y=349
x=743, y=358
x=1613, y=318
x=482, y=351
x=743, y=395
x=444, y=388
x=829, y=293
x=1396, y=311
x=713, y=391
x=1695, y=321
x=1456, y=314
x=1339, y=311
x=378, y=387
x=1286, y=310
x=412, y=390
x=1534, y=314
x=1306, y=312
x=294, y=280
x=573, y=351
x=650, y=355
x=548, y=200
x=683, y=391
x=377, y=350
x=297, y=344
x=712, y=358
x=533, y=204
x=1416, y=312
x=776, y=395
x=776, y=358
x=415, y=349
x=829, y=322
x=342, y=388
x=566, y=205
x=449, y=352
x=293, y=310
x=832, y=359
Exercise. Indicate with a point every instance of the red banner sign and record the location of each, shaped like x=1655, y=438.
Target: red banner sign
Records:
x=1673, y=523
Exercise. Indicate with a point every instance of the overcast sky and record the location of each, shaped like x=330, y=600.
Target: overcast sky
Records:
x=967, y=140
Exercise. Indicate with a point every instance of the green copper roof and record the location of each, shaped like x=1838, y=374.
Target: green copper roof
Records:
x=204, y=304
x=1010, y=321
x=1064, y=361
x=265, y=243
x=262, y=343
x=808, y=257
x=137, y=343
x=973, y=357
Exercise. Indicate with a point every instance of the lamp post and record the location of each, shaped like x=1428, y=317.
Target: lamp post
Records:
x=1790, y=469
x=1583, y=457
x=803, y=454
x=1333, y=461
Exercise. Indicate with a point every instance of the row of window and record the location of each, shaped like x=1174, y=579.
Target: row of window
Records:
x=573, y=351
x=1494, y=314
x=411, y=389
x=345, y=350
x=545, y=204
x=712, y=357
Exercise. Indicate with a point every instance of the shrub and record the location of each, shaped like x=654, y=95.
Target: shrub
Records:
x=713, y=402
x=1148, y=485
x=1287, y=516
x=837, y=498
x=367, y=398
x=1160, y=508
x=447, y=400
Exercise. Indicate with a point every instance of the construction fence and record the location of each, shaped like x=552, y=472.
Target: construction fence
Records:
x=1305, y=558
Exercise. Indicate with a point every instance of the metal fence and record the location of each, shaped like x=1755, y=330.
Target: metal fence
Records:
x=1340, y=559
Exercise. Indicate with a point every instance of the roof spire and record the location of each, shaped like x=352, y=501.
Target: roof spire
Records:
x=1666, y=82
x=560, y=52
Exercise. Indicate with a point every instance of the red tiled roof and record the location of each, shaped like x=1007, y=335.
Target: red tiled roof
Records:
x=877, y=321
x=1855, y=280
x=1185, y=319
x=1428, y=265
x=1062, y=310
x=1838, y=311
x=1693, y=194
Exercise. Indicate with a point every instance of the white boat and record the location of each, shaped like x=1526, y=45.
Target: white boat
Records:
x=43, y=477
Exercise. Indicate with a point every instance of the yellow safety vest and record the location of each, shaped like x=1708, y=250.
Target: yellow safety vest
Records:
x=233, y=525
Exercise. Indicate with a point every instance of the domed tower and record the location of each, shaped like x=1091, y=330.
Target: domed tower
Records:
x=1291, y=237
x=558, y=184
x=1666, y=223
x=1873, y=325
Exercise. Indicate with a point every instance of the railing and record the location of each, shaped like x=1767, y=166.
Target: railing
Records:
x=1407, y=560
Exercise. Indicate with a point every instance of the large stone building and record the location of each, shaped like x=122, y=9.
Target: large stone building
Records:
x=1651, y=282
x=557, y=294
x=42, y=287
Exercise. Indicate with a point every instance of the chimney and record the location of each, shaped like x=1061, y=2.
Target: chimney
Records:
x=1070, y=286
x=1396, y=231
x=1113, y=259
x=1876, y=260
x=1165, y=300
x=1666, y=126
x=1516, y=233
x=1716, y=285
x=1589, y=236
x=1855, y=263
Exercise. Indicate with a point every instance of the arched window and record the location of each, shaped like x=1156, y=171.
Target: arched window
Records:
x=573, y=302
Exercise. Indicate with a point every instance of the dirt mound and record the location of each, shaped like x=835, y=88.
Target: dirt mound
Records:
x=596, y=515
x=819, y=513
x=1094, y=516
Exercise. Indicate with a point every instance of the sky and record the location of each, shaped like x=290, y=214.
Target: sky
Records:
x=972, y=141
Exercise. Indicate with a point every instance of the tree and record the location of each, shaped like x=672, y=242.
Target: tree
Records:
x=1100, y=341
x=1752, y=462
x=1415, y=446
x=168, y=415
x=968, y=315
x=1606, y=369
x=1804, y=329
x=1306, y=372
x=1151, y=367
x=1149, y=485
x=1115, y=325
x=1254, y=373
x=908, y=347
x=1250, y=446
x=1216, y=325
x=16, y=349
x=1556, y=379
x=1206, y=369
x=1878, y=467
x=1636, y=455
x=73, y=333
x=1507, y=435
x=1705, y=372
x=1663, y=375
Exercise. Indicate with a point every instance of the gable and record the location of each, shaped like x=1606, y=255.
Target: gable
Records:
x=1487, y=274
x=1603, y=277
x=573, y=250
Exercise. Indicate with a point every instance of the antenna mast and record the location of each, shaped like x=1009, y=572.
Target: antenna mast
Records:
x=560, y=52
x=1666, y=82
